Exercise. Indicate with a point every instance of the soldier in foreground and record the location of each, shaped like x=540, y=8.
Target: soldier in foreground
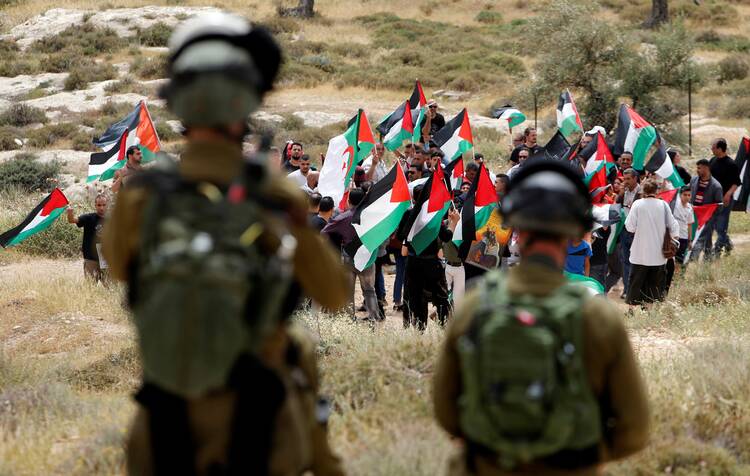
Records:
x=216, y=252
x=536, y=377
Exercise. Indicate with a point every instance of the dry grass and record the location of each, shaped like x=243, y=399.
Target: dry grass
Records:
x=68, y=365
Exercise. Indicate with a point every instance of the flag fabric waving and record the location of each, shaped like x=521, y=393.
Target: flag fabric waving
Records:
x=344, y=153
x=593, y=286
x=557, y=147
x=605, y=215
x=742, y=194
x=455, y=137
x=397, y=127
x=661, y=165
x=136, y=129
x=669, y=196
x=454, y=174
x=418, y=107
x=702, y=214
x=428, y=212
x=568, y=120
x=510, y=114
x=634, y=134
x=480, y=201
x=597, y=183
x=41, y=217
x=596, y=154
x=377, y=216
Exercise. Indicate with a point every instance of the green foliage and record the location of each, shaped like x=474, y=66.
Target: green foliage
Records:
x=26, y=173
x=81, y=75
x=20, y=114
x=156, y=35
x=53, y=134
x=487, y=16
x=85, y=39
x=734, y=67
x=710, y=39
x=471, y=58
x=606, y=64
x=8, y=136
x=149, y=68
x=127, y=85
x=165, y=132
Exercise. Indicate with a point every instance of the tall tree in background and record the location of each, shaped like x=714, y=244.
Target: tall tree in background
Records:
x=659, y=14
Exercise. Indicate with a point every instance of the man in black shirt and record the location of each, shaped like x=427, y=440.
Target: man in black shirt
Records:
x=434, y=121
x=725, y=170
x=325, y=211
x=92, y=224
x=296, y=154
x=530, y=141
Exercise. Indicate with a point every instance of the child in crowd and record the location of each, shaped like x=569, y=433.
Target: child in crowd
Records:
x=579, y=253
x=683, y=213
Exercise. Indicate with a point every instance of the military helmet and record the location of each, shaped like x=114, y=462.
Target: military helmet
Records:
x=548, y=196
x=219, y=66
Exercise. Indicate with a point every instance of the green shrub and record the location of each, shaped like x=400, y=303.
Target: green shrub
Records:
x=82, y=141
x=149, y=68
x=50, y=134
x=89, y=39
x=127, y=85
x=487, y=16
x=11, y=68
x=26, y=173
x=165, y=132
x=81, y=75
x=738, y=108
x=20, y=114
x=8, y=136
x=732, y=68
x=279, y=25
x=156, y=35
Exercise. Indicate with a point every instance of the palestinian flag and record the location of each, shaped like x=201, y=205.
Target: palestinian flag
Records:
x=596, y=154
x=344, y=153
x=136, y=129
x=660, y=164
x=615, y=231
x=634, y=134
x=454, y=174
x=597, y=182
x=378, y=216
x=742, y=194
x=593, y=286
x=418, y=107
x=568, y=120
x=557, y=147
x=455, y=137
x=480, y=201
x=397, y=127
x=702, y=214
x=669, y=196
x=428, y=212
x=508, y=113
x=41, y=217
x=605, y=215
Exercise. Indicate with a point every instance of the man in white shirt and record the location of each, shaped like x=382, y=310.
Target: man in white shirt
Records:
x=683, y=213
x=649, y=219
x=300, y=176
x=374, y=164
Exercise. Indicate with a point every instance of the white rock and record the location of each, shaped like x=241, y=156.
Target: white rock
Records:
x=124, y=21
x=89, y=99
x=452, y=95
x=67, y=157
x=12, y=88
x=267, y=117
x=320, y=119
x=720, y=131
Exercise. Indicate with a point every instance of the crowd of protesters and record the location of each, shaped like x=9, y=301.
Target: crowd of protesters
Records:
x=439, y=276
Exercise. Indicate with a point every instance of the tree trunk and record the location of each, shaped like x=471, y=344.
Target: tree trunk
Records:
x=304, y=9
x=659, y=14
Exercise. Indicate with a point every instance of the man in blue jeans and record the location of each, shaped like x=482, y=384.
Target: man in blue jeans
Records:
x=726, y=172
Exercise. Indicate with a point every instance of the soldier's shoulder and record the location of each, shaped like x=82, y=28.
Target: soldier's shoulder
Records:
x=279, y=188
x=602, y=318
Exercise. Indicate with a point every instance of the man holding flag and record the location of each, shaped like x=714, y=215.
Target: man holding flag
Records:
x=134, y=157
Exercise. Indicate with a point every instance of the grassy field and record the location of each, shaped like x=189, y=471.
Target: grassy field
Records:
x=68, y=366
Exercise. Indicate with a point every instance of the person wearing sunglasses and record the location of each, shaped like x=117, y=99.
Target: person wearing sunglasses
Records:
x=434, y=121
